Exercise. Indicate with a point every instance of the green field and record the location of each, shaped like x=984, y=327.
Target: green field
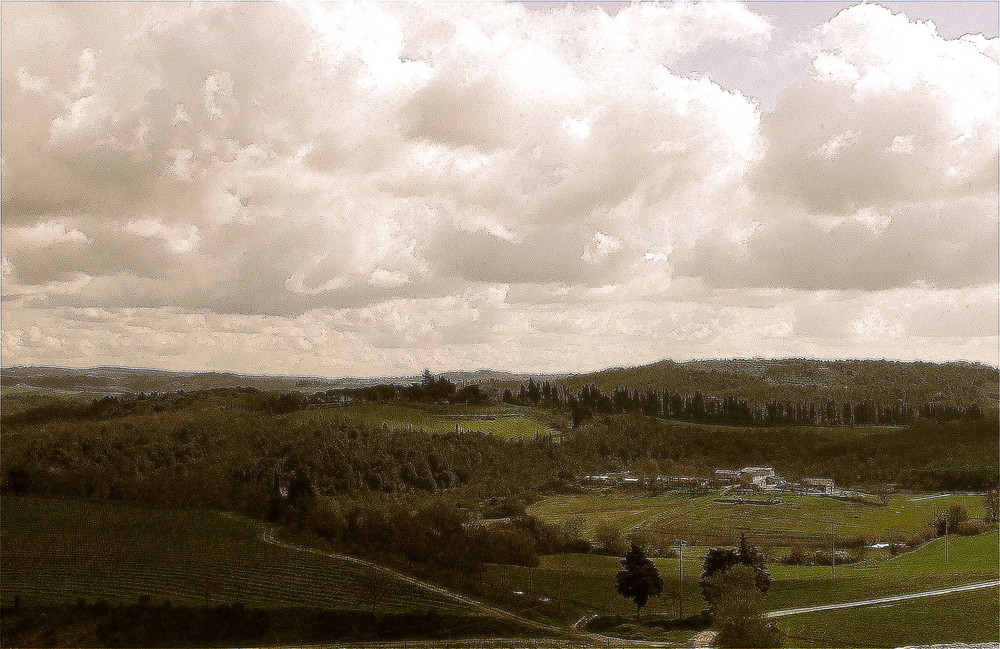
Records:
x=498, y=419
x=968, y=617
x=701, y=520
x=584, y=583
x=55, y=551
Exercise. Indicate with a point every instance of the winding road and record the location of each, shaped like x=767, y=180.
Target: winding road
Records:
x=574, y=636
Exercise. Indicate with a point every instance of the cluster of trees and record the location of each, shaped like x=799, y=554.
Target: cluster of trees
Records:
x=430, y=389
x=590, y=401
x=733, y=583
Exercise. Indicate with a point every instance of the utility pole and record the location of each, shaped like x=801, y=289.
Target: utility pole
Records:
x=679, y=544
x=947, y=539
x=833, y=552
x=562, y=577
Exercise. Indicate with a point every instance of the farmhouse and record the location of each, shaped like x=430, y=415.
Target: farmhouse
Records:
x=819, y=485
x=726, y=476
x=758, y=477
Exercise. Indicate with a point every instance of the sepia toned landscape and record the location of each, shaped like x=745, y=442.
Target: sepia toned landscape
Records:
x=500, y=324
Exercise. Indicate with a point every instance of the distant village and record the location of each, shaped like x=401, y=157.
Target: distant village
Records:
x=749, y=485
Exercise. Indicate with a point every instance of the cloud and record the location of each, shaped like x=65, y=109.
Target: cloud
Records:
x=447, y=182
x=363, y=146
x=891, y=113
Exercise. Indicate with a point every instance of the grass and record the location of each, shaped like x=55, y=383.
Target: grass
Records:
x=55, y=551
x=968, y=617
x=580, y=584
x=701, y=520
x=971, y=559
x=584, y=583
x=498, y=419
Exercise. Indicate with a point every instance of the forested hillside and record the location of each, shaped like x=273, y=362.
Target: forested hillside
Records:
x=808, y=380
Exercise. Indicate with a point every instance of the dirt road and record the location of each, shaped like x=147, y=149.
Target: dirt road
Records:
x=884, y=600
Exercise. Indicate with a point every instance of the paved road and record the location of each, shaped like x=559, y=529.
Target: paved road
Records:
x=885, y=600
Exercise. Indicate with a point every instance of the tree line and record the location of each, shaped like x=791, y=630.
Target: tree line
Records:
x=589, y=401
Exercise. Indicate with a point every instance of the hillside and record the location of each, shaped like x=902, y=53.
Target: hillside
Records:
x=756, y=379
x=805, y=379
x=100, y=381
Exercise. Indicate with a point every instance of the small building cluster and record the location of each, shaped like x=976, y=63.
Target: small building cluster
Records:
x=765, y=478
x=749, y=478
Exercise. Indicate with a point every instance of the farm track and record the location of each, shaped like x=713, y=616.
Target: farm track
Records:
x=884, y=600
x=579, y=638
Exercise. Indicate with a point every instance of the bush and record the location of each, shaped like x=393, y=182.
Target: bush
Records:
x=653, y=544
x=608, y=539
x=971, y=527
x=949, y=519
x=857, y=541
x=797, y=556
x=921, y=537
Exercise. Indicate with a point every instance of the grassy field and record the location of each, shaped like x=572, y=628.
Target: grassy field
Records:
x=971, y=559
x=584, y=583
x=498, y=419
x=55, y=551
x=701, y=520
x=961, y=617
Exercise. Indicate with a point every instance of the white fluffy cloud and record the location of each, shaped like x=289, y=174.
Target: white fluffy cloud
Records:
x=431, y=182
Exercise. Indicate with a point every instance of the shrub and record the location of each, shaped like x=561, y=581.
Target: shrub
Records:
x=971, y=527
x=653, y=544
x=949, y=519
x=797, y=556
x=609, y=539
x=921, y=537
x=857, y=541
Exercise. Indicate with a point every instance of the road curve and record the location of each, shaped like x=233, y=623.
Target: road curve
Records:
x=885, y=600
x=593, y=639
x=703, y=639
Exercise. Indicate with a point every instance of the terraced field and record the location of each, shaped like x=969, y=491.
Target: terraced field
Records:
x=701, y=520
x=498, y=419
x=55, y=551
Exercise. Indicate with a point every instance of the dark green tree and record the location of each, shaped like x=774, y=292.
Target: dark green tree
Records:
x=639, y=579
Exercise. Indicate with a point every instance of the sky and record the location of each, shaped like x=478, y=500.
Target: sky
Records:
x=349, y=189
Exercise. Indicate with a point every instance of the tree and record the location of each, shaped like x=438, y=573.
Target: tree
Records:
x=991, y=502
x=947, y=520
x=639, y=579
x=739, y=615
x=608, y=538
x=719, y=560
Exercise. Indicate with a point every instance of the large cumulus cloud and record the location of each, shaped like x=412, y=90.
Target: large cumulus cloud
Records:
x=462, y=184
x=275, y=158
x=880, y=170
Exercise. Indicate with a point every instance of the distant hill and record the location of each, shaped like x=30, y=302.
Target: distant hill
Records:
x=757, y=379
x=98, y=381
x=796, y=379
